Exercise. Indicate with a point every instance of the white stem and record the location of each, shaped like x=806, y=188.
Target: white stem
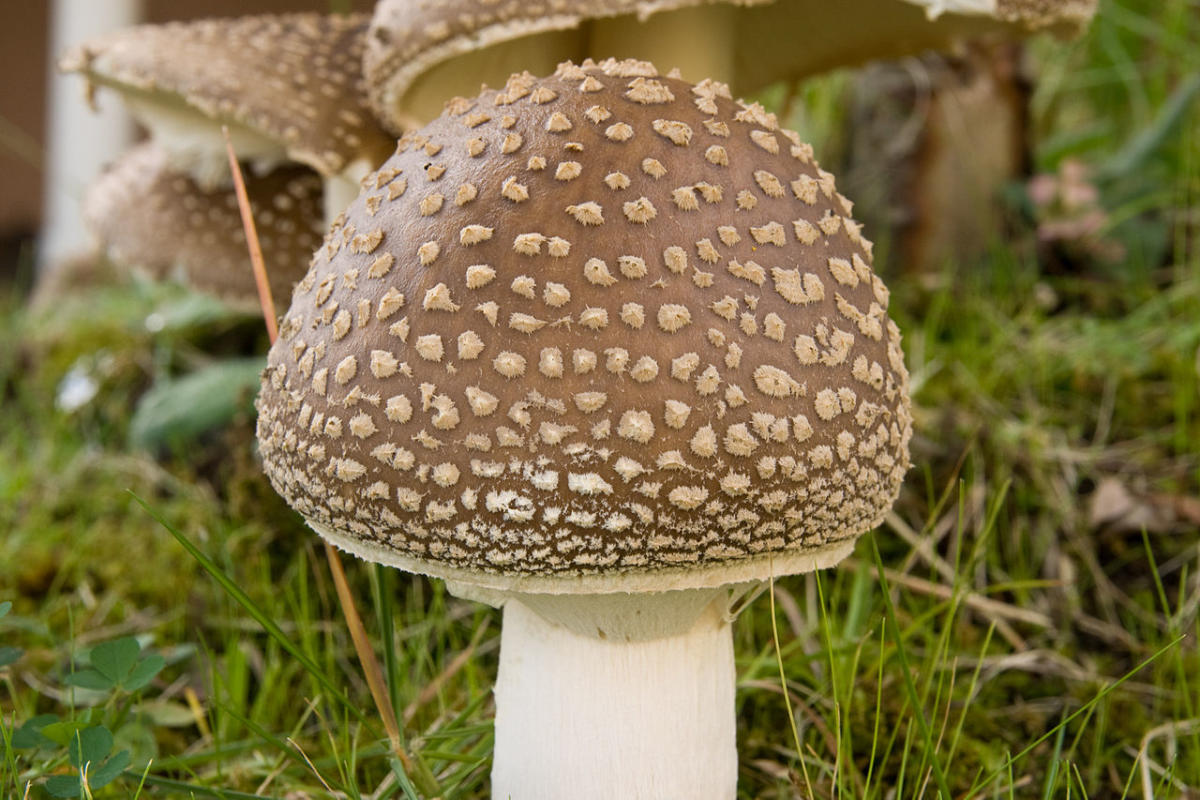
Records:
x=79, y=142
x=593, y=718
x=341, y=189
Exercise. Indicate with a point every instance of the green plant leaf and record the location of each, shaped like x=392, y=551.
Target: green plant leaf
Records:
x=30, y=735
x=90, y=679
x=143, y=672
x=179, y=411
x=115, y=660
x=64, y=786
x=90, y=745
x=9, y=655
x=109, y=770
x=99, y=774
x=115, y=665
x=167, y=714
x=61, y=733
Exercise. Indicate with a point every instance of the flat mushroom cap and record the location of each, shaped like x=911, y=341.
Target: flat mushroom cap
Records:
x=602, y=322
x=294, y=78
x=159, y=222
x=453, y=45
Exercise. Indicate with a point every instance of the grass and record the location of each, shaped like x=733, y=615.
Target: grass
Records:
x=998, y=637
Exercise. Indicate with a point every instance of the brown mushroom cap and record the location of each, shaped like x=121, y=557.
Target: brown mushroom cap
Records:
x=602, y=322
x=159, y=222
x=295, y=78
x=418, y=53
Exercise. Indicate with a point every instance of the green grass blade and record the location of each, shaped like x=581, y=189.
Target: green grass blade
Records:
x=1103, y=693
x=909, y=687
x=383, y=586
x=787, y=696
x=185, y=789
x=261, y=617
x=406, y=785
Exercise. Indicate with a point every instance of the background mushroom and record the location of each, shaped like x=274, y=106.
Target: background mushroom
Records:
x=159, y=222
x=418, y=54
x=604, y=349
x=288, y=87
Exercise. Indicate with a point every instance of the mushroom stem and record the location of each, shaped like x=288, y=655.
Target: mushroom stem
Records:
x=195, y=145
x=342, y=188
x=612, y=714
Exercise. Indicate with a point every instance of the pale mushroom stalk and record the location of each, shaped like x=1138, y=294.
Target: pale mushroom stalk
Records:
x=194, y=144
x=342, y=188
x=652, y=675
x=79, y=143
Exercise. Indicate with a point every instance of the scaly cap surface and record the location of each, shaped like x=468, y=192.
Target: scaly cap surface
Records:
x=153, y=220
x=599, y=322
x=296, y=78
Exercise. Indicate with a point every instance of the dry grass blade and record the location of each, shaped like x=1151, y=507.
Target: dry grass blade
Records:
x=252, y=244
x=358, y=633
x=974, y=601
x=1170, y=731
x=316, y=772
x=921, y=545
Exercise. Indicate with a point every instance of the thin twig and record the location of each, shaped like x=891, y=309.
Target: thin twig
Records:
x=252, y=244
x=976, y=602
x=358, y=633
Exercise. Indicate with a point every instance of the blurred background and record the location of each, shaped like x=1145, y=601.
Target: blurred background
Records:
x=34, y=98
x=1035, y=209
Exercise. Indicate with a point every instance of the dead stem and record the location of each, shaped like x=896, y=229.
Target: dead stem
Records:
x=358, y=632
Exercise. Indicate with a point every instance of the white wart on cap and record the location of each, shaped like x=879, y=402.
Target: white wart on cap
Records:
x=420, y=53
x=159, y=222
x=289, y=87
x=605, y=323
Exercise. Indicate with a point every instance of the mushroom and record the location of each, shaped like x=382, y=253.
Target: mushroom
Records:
x=154, y=220
x=604, y=349
x=418, y=54
x=288, y=88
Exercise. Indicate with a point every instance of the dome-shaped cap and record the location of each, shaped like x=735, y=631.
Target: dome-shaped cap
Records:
x=420, y=52
x=294, y=78
x=603, y=322
x=159, y=222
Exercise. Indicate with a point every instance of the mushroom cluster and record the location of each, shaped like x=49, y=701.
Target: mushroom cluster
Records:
x=289, y=92
x=288, y=88
x=605, y=349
